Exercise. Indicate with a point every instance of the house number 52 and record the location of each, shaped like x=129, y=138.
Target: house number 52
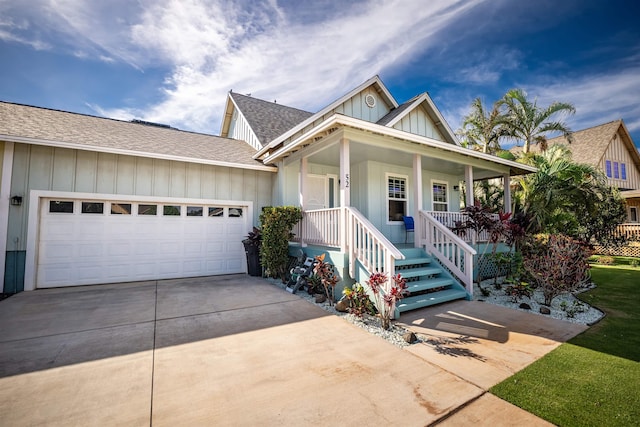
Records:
x=346, y=180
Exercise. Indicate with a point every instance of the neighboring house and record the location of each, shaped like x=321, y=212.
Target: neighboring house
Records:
x=107, y=201
x=609, y=147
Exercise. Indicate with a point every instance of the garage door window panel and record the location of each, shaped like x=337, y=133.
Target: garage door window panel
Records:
x=92, y=208
x=60, y=206
x=120, y=208
x=171, y=210
x=148, y=210
x=194, y=210
x=235, y=212
x=216, y=211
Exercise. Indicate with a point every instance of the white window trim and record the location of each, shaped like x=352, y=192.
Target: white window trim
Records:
x=388, y=175
x=446, y=184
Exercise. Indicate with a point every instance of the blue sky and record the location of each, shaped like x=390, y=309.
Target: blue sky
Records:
x=173, y=61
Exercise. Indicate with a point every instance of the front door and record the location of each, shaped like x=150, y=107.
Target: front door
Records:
x=317, y=192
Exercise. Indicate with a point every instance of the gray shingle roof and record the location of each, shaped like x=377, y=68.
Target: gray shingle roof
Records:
x=589, y=145
x=268, y=119
x=396, y=112
x=98, y=134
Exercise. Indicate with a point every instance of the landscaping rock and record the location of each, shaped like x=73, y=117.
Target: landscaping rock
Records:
x=410, y=337
x=342, y=306
x=320, y=298
x=525, y=306
x=545, y=310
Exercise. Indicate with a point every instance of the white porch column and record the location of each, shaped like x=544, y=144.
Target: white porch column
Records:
x=302, y=181
x=417, y=197
x=345, y=190
x=301, y=192
x=506, y=182
x=345, y=174
x=5, y=195
x=468, y=177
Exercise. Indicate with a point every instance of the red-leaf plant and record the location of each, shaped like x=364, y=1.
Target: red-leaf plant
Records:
x=386, y=299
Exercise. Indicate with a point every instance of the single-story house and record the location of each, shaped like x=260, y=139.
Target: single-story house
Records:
x=87, y=200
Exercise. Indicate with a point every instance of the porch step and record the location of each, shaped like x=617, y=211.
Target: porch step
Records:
x=428, y=284
x=413, y=261
x=420, y=272
x=426, y=300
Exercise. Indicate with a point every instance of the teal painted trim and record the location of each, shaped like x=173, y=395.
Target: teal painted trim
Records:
x=14, y=271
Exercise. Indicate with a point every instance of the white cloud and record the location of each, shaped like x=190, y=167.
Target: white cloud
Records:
x=216, y=46
x=598, y=98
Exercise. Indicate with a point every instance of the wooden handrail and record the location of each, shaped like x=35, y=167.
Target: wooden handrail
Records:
x=453, y=252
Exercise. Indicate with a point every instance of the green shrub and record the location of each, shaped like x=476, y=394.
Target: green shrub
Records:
x=606, y=260
x=277, y=222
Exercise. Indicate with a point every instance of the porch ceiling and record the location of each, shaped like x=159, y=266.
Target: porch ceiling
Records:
x=362, y=152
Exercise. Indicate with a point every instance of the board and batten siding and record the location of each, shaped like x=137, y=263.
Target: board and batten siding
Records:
x=239, y=129
x=419, y=123
x=617, y=152
x=61, y=169
x=352, y=107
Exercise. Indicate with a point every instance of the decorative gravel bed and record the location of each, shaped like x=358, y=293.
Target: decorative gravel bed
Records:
x=394, y=335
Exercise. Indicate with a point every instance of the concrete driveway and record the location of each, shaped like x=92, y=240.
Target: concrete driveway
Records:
x=236, y=350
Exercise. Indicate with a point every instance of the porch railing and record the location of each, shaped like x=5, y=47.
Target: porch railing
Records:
x=630, y=231
x=349, y=230
x=451, y=218
x=368, y=245
x=450, y=249
x=319, y=227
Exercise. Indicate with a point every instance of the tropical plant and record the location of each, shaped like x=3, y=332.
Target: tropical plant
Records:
x=386, y=299
x=567, y=197
x=529, y=123
x=358, y=301
x=481, y=129
x=561, y=266
x=277, y=222
x=328, y=278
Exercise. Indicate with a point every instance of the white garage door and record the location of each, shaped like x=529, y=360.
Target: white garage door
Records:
x=84, y=242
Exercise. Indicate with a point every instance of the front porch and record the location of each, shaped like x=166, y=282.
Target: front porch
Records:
x=438, y=264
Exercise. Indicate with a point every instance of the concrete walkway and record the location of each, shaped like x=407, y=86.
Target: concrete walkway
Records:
x=236, y=350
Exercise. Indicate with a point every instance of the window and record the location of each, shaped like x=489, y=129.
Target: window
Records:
x=396, y=197
x=171, y=210
x=623, y=171
x=616, y=172
x=633, y=214
x=235, y=212
x=440, y=196
x=92, y=208
x=194, y=210
x=120, y=208
x=147, y=209
x=60, y=206
x=607, y=165
x=213, y=211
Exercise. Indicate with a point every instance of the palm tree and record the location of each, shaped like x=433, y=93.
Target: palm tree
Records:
x=481, y=129
x=567, y=197
x=530, y=123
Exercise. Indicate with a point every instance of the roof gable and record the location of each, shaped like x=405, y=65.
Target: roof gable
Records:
x=266, y=120
x=338, y=106
x=41, y=126
x=420, y=116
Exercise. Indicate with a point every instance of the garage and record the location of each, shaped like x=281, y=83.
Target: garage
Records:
x=85, y=241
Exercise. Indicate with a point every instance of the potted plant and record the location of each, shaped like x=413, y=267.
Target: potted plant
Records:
x=252, y=250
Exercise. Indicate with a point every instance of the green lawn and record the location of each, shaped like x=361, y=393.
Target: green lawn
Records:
x=594, y=380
